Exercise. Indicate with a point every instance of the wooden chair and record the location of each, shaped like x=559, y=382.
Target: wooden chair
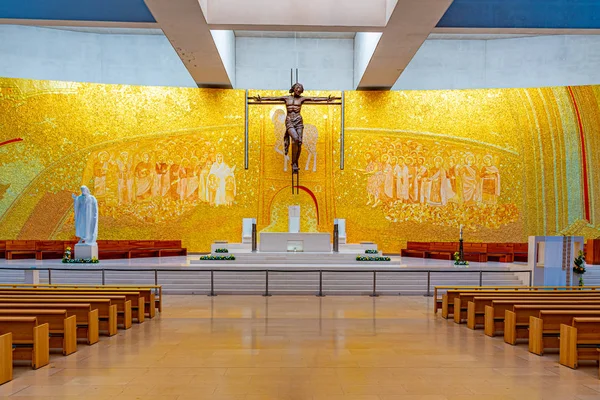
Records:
x=30, y=339
x=544, y=329
x=20, y=248
x=87, y=318
x=6, y=358
x=63, y=328
x=579, y=341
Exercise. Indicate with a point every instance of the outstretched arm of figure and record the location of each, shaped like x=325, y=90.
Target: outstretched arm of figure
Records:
x=321, y=99
x=258, y=98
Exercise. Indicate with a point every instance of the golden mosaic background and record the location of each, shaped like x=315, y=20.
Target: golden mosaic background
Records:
x=168, y=163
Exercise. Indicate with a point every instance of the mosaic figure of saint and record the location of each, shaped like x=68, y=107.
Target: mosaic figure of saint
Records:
x=490, y=181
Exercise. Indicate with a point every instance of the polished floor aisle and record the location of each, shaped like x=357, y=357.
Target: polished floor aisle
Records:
x=304, y=348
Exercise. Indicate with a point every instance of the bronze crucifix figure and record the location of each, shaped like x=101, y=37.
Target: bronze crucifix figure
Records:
x=294, y=123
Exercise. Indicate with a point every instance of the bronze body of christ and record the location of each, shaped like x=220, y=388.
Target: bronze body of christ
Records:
x=294, y=124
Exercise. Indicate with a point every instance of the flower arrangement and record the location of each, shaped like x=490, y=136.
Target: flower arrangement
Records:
x=221, y=251
x=92, y=260
x=579, y=266
x=67, y=255
x=458, y=261
x=217, y=258
x=370, y=251
x=364, y=258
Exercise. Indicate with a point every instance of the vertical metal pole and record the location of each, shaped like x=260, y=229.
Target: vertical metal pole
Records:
x=374, y=294
x=212, y=284
x=246, y=136
x=50, y=276
x=530, y=278
x=296, y=75
x=291, y=77
x=428, y=284
x=480, y=278
x=155, y=277
x=103, y=280
x=266, y=284
x=343, y=129
x=320, y=285
x=254, y=237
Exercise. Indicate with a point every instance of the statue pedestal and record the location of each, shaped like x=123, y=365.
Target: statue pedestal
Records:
x=86, y=251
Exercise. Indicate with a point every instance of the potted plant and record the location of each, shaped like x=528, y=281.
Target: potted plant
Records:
x=458, y=261
x=579, y=266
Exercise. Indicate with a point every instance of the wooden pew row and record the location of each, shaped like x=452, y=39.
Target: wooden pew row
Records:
x=30, y=340
x=496, y=312
x=462, y=299
x=516, y=322
x=107, y=312
x=63, y=328
x=152, y=303
x=579, y=341
x=479, y=252
x=544, y=329
x=6, y=358
x=447, y=309
x=87, y=318
x=123, y=300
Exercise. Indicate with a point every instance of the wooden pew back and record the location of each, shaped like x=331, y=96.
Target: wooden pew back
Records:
x=27, y=332
x=583, y=332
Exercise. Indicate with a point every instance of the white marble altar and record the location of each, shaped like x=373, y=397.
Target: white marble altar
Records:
x=294, y=219
x=276, y=242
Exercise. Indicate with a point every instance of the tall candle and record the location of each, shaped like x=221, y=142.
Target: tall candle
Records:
x=461, y=231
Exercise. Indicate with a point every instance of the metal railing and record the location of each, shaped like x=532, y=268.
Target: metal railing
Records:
x=320, y=292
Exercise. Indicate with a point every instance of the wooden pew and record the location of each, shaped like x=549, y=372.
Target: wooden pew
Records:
x=143, y=248
x=107, y=312
x=461, y=300
x=476, y=252
x=495, y=314
x=111, y=249
x=170, y=248
x=449, y=298
x=152, y=303
x=122, y=300
x=3, y=252
x=415, y=249
x=63, y=328
x=476, y=308
x=544, y=329
x=24, y=248
x=579, y=341
x=516, y=322
x=442, y=250
x=30, y=339
x=503, y=252
x=521, y=252
x=45, y=249
x=87, y=318
x=6, y=358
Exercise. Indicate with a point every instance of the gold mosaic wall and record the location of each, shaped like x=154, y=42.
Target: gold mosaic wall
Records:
x=168, y=163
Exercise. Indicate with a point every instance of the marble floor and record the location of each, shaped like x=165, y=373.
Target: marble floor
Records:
x=304, y=348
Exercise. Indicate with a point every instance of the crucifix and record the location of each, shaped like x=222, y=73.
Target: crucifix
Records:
x=294, y=124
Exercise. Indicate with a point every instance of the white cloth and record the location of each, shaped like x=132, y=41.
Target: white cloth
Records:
x=86, y=217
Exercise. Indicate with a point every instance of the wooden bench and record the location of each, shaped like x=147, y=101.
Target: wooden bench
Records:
x=6, y=358
x=446, y=303
x=63, y=328
x=54, y=249
x=579, y=341
x=30, y=340
x=476, y=308
x=87, y=318
x=442, y=250
x=516, y=322
x=3, y=250
x=143, y=248
x=171, y=248
x=520, y=252
x=544, y=329
x=107, y=312
x=495, y=314
x=476, y=252
x=123, y=300
x=20, y=248
x=109, y=249
x=415, y=249
x=501, y=252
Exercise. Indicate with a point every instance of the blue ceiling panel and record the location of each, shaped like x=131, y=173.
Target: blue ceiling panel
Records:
x=77, y=10
x=550, y=14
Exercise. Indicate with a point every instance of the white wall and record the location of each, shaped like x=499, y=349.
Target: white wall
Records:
x=44, y=53
x=504, y=63
x=324, y=64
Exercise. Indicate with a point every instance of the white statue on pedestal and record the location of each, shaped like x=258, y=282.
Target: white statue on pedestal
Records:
x=86, y=217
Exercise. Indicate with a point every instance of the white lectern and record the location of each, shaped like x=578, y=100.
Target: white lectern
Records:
x=294, y=219
x=551, y=258
x=247, y=229
x=341, y=223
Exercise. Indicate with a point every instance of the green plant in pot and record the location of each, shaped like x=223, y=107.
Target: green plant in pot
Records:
x=579, y=266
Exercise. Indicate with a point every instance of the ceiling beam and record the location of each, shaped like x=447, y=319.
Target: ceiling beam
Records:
x=408, y=27
x=184, y=24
